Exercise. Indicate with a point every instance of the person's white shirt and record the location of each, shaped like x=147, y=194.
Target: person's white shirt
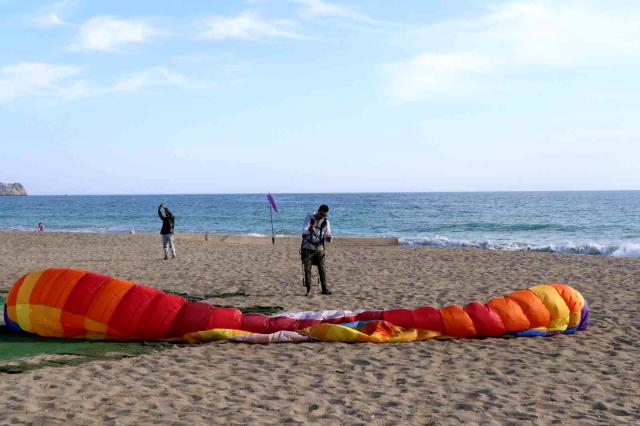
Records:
x=326, y=231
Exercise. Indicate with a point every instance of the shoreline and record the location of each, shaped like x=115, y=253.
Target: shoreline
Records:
x=624, y=250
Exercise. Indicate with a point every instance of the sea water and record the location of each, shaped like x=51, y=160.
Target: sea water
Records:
x=598, y=223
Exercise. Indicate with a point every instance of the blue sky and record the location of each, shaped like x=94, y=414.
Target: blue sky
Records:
x=319, y=96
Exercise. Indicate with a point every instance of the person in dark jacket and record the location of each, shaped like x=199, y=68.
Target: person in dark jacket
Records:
x=315, y=231
x=168, y=224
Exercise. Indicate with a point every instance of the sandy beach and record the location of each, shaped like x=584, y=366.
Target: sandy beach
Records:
x=585, y=378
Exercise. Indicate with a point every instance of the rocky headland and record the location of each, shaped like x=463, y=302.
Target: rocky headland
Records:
x=12, y=189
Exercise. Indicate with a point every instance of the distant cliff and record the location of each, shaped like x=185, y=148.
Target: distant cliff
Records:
x=12, y=189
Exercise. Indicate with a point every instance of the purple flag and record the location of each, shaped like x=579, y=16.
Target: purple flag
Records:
x=272, y=201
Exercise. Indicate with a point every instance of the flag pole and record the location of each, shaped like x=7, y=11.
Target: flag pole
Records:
x=273, y=235
x=272, y=206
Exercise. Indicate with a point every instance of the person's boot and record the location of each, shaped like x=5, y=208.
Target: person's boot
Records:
x=325, y=290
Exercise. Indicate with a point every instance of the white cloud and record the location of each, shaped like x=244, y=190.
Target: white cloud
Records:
x=154, y=77
x=51, y=19
x=246, y=26
x=62, y=82
x=429, y=75
x=51, y=15
x=37, y=79
x=515, y=37
x=320, y=8
x=107, y=33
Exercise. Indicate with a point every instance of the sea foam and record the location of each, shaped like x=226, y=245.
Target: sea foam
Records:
x=590, y=248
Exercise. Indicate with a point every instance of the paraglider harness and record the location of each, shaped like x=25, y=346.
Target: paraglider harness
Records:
x=315, y=239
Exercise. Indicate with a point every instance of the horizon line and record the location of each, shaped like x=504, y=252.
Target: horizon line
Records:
x=330, y=193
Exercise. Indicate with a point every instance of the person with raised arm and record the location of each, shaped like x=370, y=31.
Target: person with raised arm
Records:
x=168, y=224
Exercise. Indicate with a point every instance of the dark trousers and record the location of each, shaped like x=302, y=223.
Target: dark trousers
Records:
x=310, y=258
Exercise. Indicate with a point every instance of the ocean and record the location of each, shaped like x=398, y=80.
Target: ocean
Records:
x=595, y=223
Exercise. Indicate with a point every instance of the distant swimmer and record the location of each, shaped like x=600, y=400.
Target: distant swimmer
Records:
x=40, y=227
x=315, y=232
x=168, y=224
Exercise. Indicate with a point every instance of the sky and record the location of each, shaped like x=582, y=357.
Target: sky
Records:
x=159, y=97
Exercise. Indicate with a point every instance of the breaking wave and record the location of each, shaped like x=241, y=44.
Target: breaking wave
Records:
x=591, y=248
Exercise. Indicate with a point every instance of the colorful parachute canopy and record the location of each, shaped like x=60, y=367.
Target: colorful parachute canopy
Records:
x=82, y=305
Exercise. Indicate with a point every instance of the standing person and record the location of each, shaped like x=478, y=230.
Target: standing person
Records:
x=168, y=223
x=40, y=227
x=315, y=232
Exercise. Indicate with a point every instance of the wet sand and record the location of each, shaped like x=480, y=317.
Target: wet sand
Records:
x=585, y=378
